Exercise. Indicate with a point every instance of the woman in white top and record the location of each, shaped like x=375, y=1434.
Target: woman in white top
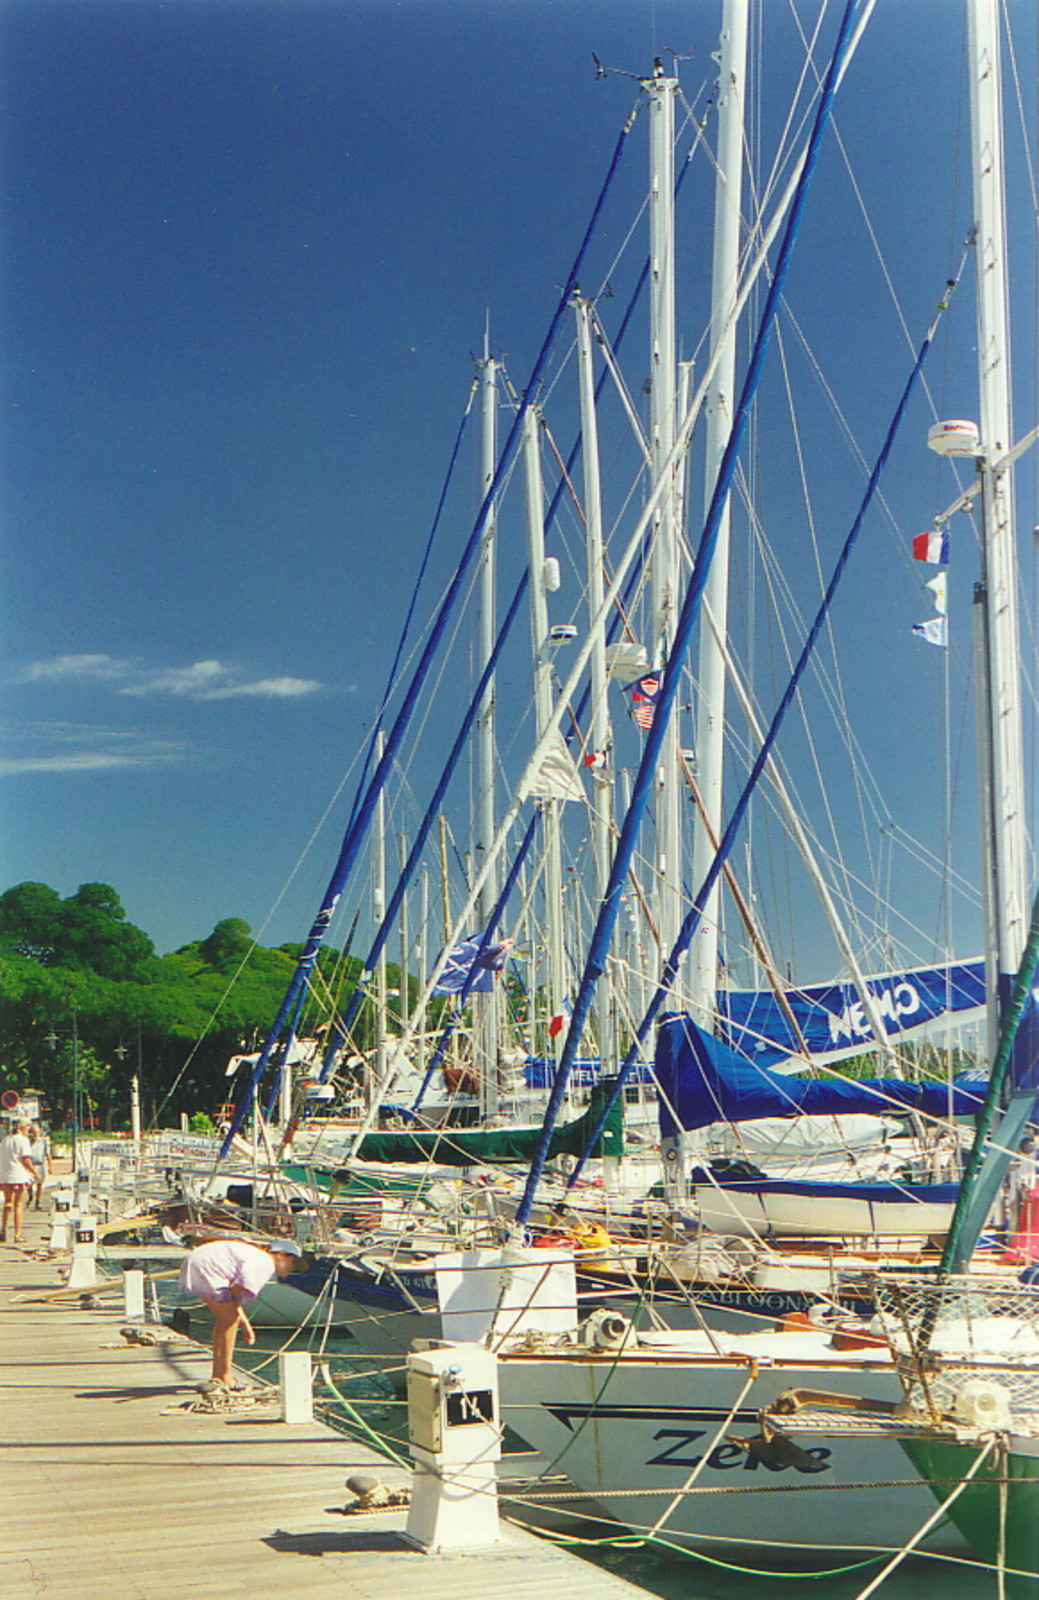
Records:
x=17, y=1176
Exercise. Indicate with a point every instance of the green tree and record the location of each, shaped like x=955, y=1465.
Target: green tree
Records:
x=99, y=897
x=86, y=932
x=30, y=915
x=228, y=945
x=95, y=934
x=78, y=967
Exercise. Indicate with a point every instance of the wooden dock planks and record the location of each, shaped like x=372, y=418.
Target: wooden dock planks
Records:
x=111, y=1489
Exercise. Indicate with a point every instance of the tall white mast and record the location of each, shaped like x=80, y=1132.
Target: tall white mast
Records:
x=719, y=405
x=667, y=884
x=599, y=720
x=543, y=701
x=405, y=937
x=1002, y=763
x=485, y=1006
x=378, y=912
x=420, y=961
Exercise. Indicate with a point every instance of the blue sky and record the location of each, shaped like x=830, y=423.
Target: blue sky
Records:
x=249, y=249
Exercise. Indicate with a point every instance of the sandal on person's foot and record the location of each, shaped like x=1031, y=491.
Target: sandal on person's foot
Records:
x=212, y=1386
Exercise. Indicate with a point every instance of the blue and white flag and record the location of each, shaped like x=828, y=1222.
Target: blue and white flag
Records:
x=464, y=959
x=935, y=631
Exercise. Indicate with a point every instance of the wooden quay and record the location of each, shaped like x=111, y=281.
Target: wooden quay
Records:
x=114, y=1487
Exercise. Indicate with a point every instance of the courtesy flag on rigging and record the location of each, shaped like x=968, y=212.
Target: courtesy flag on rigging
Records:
x=466, y=958
x=933, y=547
x=644, y=700
x=561, y=1018
x=935, y=630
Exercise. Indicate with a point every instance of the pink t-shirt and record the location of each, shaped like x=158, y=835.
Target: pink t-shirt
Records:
x=214, y=1269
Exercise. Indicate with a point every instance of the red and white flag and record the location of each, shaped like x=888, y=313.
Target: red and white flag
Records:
x=933, y=547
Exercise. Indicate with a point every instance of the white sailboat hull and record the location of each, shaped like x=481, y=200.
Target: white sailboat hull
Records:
x=793, y=1214
x=630, y=1432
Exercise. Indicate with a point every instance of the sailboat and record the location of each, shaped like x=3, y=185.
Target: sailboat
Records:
x=966, y=1346
x=664, y=1429
x=627, y=1411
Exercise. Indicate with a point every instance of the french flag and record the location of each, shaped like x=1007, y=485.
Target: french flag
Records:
x=933, y=547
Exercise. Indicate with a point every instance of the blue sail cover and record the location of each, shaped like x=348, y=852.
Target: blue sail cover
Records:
x=831, y=1017
x=701, y=1080
x=1024, y=1056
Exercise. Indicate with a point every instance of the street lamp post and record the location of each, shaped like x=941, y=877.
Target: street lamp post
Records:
x=135, y=1087
x=51, y=1040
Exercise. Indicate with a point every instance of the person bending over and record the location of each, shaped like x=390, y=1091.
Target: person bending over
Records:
x=224, y=1273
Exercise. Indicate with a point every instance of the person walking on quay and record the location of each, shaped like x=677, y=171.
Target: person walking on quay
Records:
x=224, y=1273
x=17, y=1177
x=41, y=1155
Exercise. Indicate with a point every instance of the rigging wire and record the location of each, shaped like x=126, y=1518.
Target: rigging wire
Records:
x=364, y=812
x=739, y=810
x=690, y=608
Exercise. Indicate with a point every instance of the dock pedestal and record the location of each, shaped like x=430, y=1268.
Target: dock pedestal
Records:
x=455, y=1433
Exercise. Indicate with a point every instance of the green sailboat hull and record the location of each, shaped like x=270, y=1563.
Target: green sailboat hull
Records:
x=977, y=1511
x=472, y=1147
x=468, y=1147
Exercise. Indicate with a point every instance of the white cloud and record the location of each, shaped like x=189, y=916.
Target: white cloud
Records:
x=271, y=688
x=88, y=668
x=73, y=761
x=54, y=747
x=203, y=680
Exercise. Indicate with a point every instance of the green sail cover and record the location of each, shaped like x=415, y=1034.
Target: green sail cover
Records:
x=471, y=1147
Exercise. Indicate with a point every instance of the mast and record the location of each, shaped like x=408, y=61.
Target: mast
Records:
x=599, y=735
x=667, y=887
x=719, y=403
x=445, y=908
x=543, y=701
x=420, y=959
x=405, y=938
x=485, y=1006
x=378, y=912
x=1002, y=792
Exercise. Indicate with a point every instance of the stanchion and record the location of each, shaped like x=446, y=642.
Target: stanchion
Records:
x=83, y=1274
x=133, y=1294
x=61, y=1218
x=297, y=1386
